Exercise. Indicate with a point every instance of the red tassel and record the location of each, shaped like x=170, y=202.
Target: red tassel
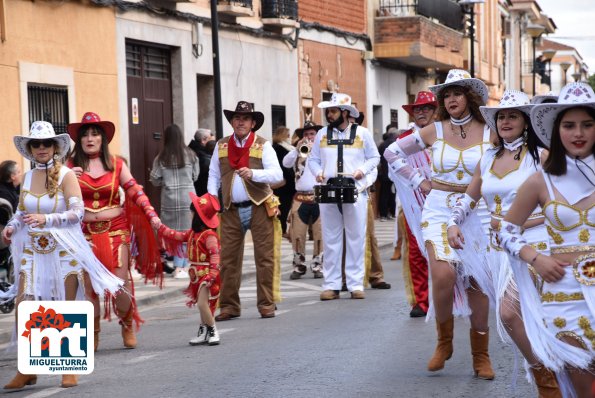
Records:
x=148, y=258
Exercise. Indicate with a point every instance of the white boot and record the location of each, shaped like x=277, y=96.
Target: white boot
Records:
x=201, y=337
x=213, y=335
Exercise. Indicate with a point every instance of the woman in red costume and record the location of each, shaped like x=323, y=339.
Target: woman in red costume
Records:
x=106, y=224
x=203, y=246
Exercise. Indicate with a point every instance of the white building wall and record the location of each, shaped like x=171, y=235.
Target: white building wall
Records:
x=387, y=88
x=258, y=70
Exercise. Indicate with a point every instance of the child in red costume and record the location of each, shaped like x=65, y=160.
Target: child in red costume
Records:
x=203, y=247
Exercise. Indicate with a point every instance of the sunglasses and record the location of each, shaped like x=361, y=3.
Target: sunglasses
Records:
x=47, y=143
x=424, y=108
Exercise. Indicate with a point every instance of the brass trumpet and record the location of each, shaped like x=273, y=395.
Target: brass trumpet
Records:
x=305, y=148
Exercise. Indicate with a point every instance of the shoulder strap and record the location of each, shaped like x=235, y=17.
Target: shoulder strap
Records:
x=486, y=133
x=27, y=180
x=439, y=132
x=548, y=184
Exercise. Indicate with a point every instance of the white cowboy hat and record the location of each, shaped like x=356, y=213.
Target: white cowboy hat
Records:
x=572, y=95
x=511, y=99
x=341, y=101
x=459, y=77
x=539, y=99
x=42, y=131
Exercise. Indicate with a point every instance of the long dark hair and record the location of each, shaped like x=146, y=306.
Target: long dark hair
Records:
x=174, y=153
x=556, y=160
x=80, y=158
x=531, y=139
x=474, y=101
x=197, y=224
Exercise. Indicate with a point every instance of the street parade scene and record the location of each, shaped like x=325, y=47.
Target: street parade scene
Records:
x=297, y=198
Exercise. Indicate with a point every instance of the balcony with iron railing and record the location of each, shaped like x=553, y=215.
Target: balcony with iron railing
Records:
x=235, y=8
x=282, y=13
x=420, y=33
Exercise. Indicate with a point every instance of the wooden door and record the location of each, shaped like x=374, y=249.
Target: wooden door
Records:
x=148, y=70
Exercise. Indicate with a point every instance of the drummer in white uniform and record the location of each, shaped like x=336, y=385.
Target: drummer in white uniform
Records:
x=346, y=146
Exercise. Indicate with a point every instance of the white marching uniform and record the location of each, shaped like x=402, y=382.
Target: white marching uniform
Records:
x=351, y=217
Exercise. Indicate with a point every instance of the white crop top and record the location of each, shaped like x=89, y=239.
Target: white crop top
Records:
x=566, y=224
x=499, y=191
x=42, y=203
x=455, y=166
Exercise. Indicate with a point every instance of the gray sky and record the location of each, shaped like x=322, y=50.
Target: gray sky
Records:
x=575, y=20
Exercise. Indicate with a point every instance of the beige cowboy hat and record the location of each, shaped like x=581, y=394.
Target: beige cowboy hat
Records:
x=41, y=130
x=459, y=77
x=572, y=95
x=341, y=101
x=511, y=99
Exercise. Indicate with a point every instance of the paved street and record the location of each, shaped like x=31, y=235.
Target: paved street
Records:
x=348, y=348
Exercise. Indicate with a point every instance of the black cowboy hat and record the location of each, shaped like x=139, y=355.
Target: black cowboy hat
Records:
x=246, y=108
x=307, y=126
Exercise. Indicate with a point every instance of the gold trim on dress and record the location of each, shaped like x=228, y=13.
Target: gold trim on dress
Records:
x=559, y=322
x=561, y=297
x=556, y=237
x=573, y=249
x=585, y=325
x=541, y=246
x=584, y=269
x=574, y=336
x=445, y=239
x=498, y=201
x=451, y=184
x=584, y=235
x=42, y=242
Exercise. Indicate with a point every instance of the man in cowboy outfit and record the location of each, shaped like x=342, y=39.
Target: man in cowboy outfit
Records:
x=360, y=158
x=305, y=211
x=415, y=266
x=243, y=166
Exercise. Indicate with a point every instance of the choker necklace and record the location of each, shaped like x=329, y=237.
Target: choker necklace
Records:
x=462, y=133
x=514, y=145
x=94, y=155
x=44, y=166
x=460, y=122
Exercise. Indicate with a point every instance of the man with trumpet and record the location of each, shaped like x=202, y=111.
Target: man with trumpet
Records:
x=346, y=150
x=304, y=211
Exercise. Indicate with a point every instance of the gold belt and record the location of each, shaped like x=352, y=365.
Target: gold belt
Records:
x=99, y=227
x=43, y=242
x=584, y=269
x=573, y=249
x=305, y=197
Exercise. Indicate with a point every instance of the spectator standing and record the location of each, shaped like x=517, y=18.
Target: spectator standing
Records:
x=286, y=189
x=175, y=169
x=10, y=182
x=203, y=145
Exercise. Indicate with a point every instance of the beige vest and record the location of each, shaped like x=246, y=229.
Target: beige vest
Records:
x=258, y=192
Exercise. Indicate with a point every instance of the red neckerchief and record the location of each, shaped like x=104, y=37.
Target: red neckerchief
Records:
x=239, y=156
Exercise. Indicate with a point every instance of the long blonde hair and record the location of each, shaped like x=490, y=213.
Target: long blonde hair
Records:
x=53, y=177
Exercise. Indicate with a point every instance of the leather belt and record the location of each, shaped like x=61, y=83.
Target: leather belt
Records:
x=242, y=204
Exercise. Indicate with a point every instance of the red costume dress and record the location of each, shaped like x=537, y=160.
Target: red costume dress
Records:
x=203, y=256
x=110, y=238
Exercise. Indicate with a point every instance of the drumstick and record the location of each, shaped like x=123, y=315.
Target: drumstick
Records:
x=345, y=174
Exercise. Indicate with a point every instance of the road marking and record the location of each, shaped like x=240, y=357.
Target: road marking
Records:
x=310, y=302
x=140, y=359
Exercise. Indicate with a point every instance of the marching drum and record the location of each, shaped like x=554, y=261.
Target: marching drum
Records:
x=336, y=190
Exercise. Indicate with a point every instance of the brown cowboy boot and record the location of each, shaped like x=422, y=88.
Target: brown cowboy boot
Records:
x=20, y=381
x=69, y=381
x=128, y=335
x=481, y=359
x=443, y=350
x=97, y=326
x=547, y=385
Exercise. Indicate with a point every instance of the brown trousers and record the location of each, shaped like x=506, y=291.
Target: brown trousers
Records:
x=232, y=255
x=299, y=232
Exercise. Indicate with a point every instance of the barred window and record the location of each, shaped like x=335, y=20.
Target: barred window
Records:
x=50, y=104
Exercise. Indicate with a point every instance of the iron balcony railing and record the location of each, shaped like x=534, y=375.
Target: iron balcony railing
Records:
x=280, y=9
x=237, y=3
x=447, y=12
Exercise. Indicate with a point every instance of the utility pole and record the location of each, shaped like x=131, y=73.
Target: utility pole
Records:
x=216, y=70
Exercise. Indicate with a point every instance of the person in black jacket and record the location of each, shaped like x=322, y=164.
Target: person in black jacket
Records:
x=286, y=190
x=204, y=151
x=10, y=182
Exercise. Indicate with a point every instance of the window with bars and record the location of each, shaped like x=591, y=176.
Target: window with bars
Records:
x=148, y=62
x=50, y=104
x=277, y=116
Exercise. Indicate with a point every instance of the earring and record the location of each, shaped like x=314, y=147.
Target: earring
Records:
x=56, y=156
x=525, y=134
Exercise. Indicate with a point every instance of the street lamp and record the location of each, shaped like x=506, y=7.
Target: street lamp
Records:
x=577, y=76
x=548, y=55
x=565, y=65
x=468, y=7
x=534, y=30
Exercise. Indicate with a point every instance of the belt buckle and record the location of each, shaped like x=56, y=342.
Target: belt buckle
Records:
x=99, y=227
x=42, y=242
x=584, y=269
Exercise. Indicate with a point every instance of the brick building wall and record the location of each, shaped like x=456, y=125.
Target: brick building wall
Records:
x=339, y=67
x=348, y=15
